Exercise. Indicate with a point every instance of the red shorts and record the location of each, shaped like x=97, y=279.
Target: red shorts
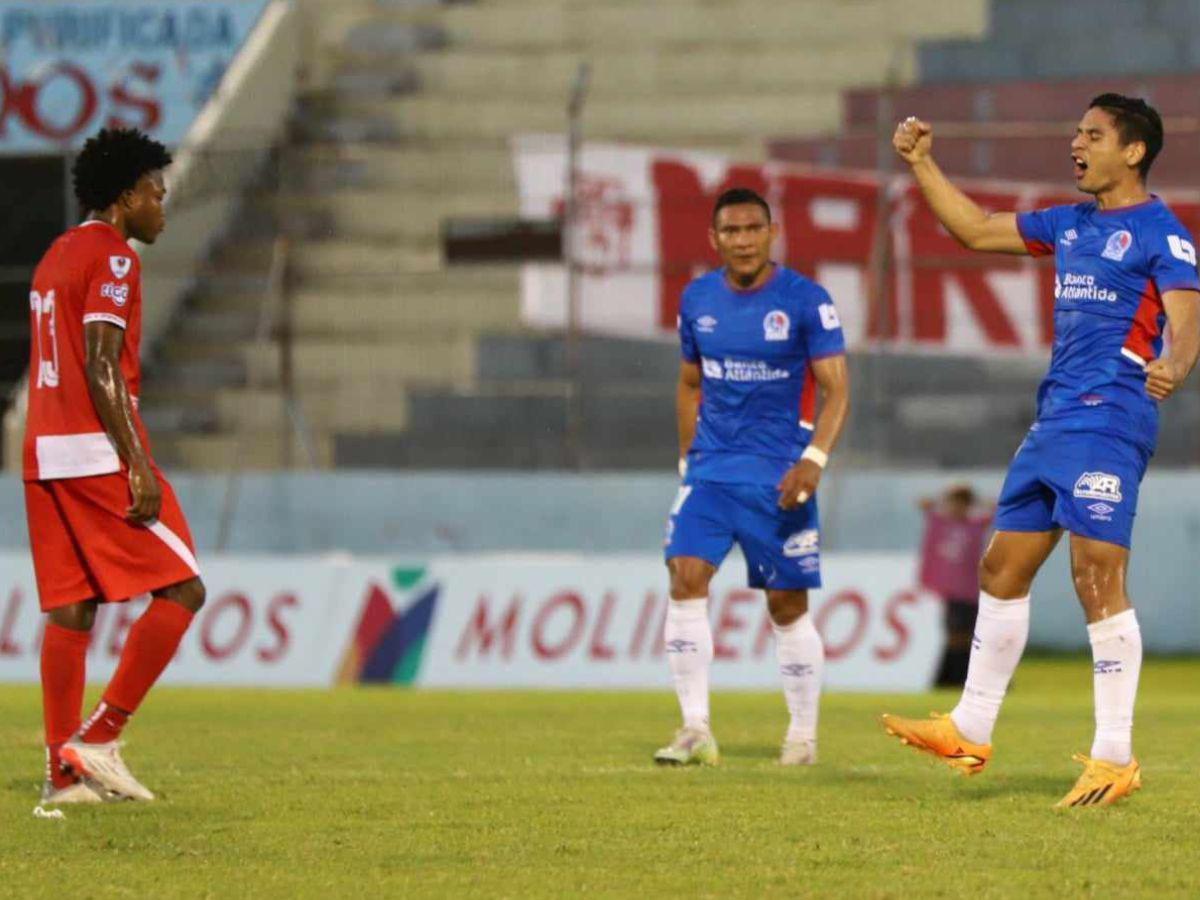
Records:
x=84, y=548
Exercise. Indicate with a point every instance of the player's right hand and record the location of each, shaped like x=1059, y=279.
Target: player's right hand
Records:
x=146, y=494
x=913, y=140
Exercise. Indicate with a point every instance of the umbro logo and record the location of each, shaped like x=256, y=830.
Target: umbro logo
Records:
x=796, y=670
x=681, y=646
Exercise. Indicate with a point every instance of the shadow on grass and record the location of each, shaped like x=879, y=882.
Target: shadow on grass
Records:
x=23, y=786
x=1032, y=783
x=749, y=751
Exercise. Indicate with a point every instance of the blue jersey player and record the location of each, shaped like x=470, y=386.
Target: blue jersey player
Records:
x=1125, y=266
x=757, y=340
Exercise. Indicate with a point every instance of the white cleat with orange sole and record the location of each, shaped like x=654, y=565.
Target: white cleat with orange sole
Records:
x=103, y=763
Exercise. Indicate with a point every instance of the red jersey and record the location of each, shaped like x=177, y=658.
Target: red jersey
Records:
x=90, y=274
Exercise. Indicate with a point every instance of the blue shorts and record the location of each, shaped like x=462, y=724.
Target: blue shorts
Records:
x=782, y=547
x=1083, y=482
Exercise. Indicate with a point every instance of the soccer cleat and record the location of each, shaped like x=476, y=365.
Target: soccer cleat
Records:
x=798, y=753
x=691, y=746
x=103, y=763
x=80, y=791
x=1102, y=783
x=939, y=736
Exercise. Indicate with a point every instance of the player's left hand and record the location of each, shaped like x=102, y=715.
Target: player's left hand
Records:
x=1162, y=378
x=798, y=484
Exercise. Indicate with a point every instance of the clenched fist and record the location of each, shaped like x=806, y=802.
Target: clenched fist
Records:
x=913, y=140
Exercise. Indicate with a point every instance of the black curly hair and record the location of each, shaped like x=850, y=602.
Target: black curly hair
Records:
x=111, y=163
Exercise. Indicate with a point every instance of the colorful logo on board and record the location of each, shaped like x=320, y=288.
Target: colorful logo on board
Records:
x=389, y=641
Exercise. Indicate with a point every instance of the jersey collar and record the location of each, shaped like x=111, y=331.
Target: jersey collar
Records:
x=739, y=292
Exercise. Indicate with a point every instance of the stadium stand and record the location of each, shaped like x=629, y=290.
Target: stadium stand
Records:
x=404, y=123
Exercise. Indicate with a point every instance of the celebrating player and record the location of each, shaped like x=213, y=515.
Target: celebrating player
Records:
x=104, y=524
x=1124, y=262
x=754, y=336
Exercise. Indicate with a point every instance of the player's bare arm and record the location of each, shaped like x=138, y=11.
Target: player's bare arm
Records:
x=687, y=407
x=110, y=394
x=971, y=226
x=800, y=481
x=1165, y=374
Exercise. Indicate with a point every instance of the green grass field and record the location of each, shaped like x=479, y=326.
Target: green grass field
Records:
x=390, y=793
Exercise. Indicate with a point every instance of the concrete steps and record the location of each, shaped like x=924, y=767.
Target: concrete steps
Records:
x=375, y=368
x=350, y=315
x=697, y=117
x=341, y=407
x=399, y=167
x=702, y=23
x=223, y=452
x=667, y=76
x=411, y=216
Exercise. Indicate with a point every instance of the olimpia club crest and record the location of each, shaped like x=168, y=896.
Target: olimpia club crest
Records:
x=1118, y=245
x=776, y=325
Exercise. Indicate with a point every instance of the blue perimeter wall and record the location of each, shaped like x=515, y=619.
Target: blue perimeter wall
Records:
x=458, y=512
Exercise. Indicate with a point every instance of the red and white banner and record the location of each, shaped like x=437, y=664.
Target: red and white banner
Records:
x=643, y=235
x=495, y=621
x=598, y=622
x=267, y=622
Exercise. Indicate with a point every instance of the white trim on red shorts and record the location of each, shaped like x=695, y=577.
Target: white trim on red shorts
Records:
x=176, y=544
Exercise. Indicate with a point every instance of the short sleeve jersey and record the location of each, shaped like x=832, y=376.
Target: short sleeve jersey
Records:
x=90, y=274
x=1112, y=268
x=755, y=350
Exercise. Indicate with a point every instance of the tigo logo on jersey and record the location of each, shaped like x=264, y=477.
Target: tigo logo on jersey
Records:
x=803, y=543
x=776, y=325
x=1118, y=245
x=120, y=265
x=117, y=293
x=1099, y=486
x=829, y=317
x=706, y=324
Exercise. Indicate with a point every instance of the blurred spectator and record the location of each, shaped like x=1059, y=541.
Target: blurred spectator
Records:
x=955, y=527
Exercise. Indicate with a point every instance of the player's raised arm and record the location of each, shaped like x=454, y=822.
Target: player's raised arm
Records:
x=1166, y=374
x=833, y=381
x=687, y=408
x=110, y=394
x=970, y=225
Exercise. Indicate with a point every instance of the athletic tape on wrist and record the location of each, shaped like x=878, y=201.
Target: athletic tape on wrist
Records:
x=817, y=455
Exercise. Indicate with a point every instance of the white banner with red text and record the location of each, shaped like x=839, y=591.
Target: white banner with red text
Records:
x=496, y=622
x=72, y=67
x=642, y=235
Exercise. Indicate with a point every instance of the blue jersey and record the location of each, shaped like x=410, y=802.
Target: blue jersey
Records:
x=755, y=350
x=1112, y=268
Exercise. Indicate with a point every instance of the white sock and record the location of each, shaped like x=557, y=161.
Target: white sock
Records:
x=1001, y=630
x=1117, y=657
x=689, y=645
x=801, y=655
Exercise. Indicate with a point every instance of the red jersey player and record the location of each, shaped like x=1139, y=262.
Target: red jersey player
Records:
x=104, y=524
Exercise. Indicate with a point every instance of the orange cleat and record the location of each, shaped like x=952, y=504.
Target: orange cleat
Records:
x=1102, y=783
x=939, y=736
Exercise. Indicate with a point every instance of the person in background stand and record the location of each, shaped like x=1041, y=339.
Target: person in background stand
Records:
x=955, y=528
